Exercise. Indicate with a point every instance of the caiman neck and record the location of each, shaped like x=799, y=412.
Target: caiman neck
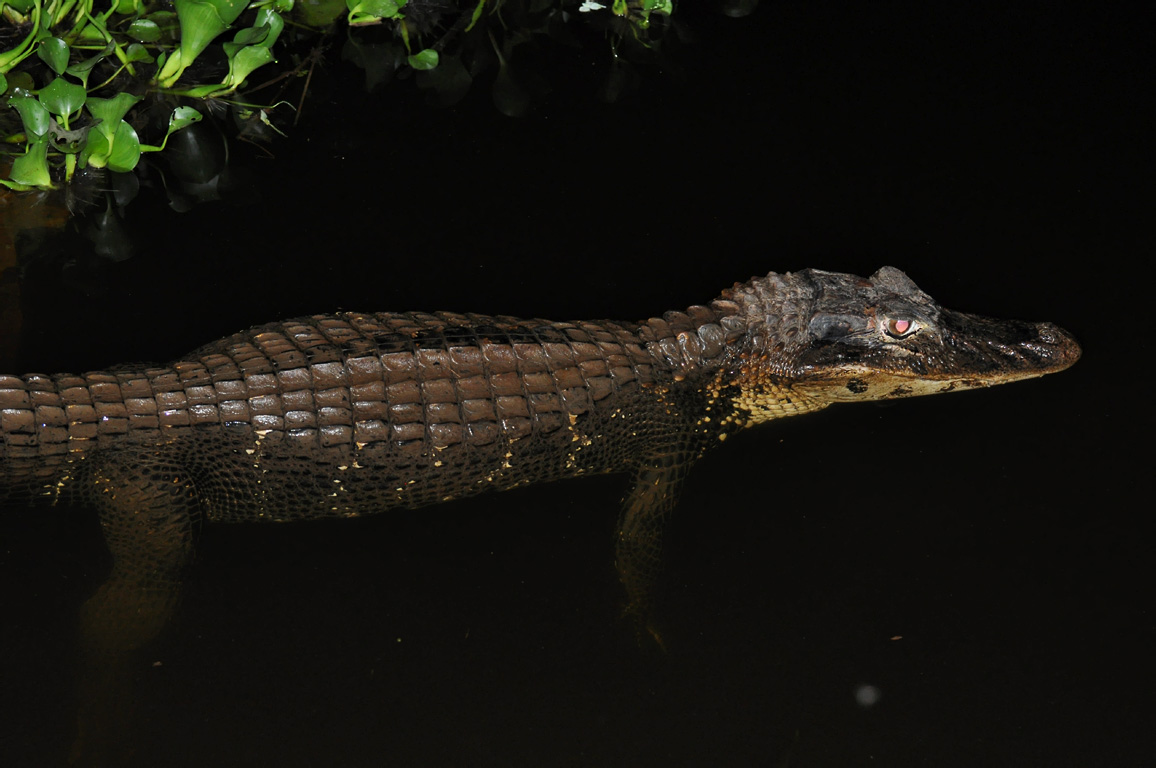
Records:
x=707, y=350
x=743, y=394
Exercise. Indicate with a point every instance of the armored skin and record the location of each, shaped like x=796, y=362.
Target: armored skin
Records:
x=349, y=414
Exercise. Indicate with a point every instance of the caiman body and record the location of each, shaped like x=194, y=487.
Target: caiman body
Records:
x=347, y=414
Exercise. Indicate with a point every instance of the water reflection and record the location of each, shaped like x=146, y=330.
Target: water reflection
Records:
x=429, y=601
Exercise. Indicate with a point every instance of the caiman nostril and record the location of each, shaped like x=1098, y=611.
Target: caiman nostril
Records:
x=1063, y=346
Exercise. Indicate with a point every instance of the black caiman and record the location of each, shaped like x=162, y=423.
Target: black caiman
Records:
x=347, y=414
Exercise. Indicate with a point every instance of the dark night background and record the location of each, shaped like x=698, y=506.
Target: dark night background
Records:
x=981, y=560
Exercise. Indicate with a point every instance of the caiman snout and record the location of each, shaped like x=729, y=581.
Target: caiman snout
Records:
x=1002, y=348
x=947, y=351
x=1062, y=346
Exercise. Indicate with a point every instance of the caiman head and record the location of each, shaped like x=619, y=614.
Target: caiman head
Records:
x=813, y=338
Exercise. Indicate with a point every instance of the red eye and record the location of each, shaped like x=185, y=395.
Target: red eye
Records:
x=898, y=327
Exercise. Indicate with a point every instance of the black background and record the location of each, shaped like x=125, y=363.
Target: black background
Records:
x=981, y=560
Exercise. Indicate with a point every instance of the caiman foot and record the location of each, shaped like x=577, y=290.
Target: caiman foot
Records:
x=646, y=633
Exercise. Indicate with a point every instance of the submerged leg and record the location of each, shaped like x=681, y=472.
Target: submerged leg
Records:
x=149, y=512
x=638, y=553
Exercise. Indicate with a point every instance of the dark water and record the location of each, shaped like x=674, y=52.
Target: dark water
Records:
x=945, y=581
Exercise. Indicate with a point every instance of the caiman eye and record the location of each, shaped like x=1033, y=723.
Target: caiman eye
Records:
x=900, y=327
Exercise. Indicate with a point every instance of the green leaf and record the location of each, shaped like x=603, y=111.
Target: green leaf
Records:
x=95, y=150
x=366, y=10
x=20, y=81
x=144, y=30
x=62, y=97
x=250, y=48
x=227, y=10
x=424, y=59
x=200, y=25
x=182, y=117
x=31, y=168
x=36, y=119
x=3, y=84
x=110, y=112
x=81, y=69
x=476, y=15
x=54, y=52
x=118, y=150
x=319, y=13
x=201, y=22
x=137, y=52
x=125, y=149
x=251, y=36
x=267, y=17
x=166, y=20
x=244, y=61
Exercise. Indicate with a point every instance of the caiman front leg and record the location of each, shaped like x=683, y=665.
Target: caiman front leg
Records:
x=638, y=552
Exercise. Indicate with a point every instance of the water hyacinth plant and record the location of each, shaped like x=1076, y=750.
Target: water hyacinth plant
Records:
x=76, y=79
x=73, y=122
